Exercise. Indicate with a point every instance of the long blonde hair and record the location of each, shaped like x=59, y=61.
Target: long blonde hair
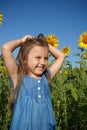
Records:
x=23, y=54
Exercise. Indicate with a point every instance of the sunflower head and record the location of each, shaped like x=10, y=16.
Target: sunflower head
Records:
x=52, y=40
x=66, y=50
x=1, y=18
x=65, y=72
x=83, y=40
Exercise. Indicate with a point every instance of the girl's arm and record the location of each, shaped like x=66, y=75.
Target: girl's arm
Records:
x=9, y=60
x=59, y=59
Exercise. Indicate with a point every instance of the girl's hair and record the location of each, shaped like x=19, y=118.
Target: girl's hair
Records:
x=22, y=68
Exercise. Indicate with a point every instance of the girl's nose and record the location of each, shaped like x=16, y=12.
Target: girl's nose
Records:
x=42, y=61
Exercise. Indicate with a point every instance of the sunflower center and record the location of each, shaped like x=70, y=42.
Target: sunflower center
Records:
x=85, y=40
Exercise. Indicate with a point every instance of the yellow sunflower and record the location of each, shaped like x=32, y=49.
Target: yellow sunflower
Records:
x=83, y=40
x=65, y=71
x=66, y=50
x=1, y=18
x=53, y=40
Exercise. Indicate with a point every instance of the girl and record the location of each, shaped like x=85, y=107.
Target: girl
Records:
x=30, y=75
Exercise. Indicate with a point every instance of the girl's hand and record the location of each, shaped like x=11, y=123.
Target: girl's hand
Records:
x=27, y=37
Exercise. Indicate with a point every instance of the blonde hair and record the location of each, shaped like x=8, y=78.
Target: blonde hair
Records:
x=23, y=54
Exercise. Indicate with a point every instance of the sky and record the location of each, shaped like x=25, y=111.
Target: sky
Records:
x=66, y=19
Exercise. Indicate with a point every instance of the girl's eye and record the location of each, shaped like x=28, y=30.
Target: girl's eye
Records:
x=38, y=58
x=46, y=58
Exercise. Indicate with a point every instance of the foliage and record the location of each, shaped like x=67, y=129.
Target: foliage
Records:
x=5, y=113
x=70, y=98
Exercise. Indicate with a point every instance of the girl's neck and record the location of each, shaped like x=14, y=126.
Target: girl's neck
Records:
x=34, y=76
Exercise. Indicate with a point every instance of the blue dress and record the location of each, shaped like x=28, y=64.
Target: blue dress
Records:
x=33, y=107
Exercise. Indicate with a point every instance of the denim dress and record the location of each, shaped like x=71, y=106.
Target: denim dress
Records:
x=33, y=107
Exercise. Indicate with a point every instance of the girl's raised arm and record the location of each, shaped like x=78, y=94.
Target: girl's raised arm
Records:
x=59, y=59
x=9, y=60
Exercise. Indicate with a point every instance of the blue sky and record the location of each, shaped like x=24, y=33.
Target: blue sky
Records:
x=67, y=19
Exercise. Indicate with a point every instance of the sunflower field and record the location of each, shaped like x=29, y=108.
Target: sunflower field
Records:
x=68, y=90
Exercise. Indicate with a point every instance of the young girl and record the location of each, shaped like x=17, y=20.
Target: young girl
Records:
x=30, y=76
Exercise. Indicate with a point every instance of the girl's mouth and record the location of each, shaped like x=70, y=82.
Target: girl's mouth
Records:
x=40, y=68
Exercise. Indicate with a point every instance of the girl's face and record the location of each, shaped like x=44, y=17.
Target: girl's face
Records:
x=37, y=61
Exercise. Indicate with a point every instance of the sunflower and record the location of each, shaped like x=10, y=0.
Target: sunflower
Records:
x=52, y=40
x=83, y=40
x=65, y=71
x=1, y=18
x=66, y=50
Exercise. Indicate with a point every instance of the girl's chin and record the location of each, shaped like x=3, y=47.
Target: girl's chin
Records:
x=39, y=73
